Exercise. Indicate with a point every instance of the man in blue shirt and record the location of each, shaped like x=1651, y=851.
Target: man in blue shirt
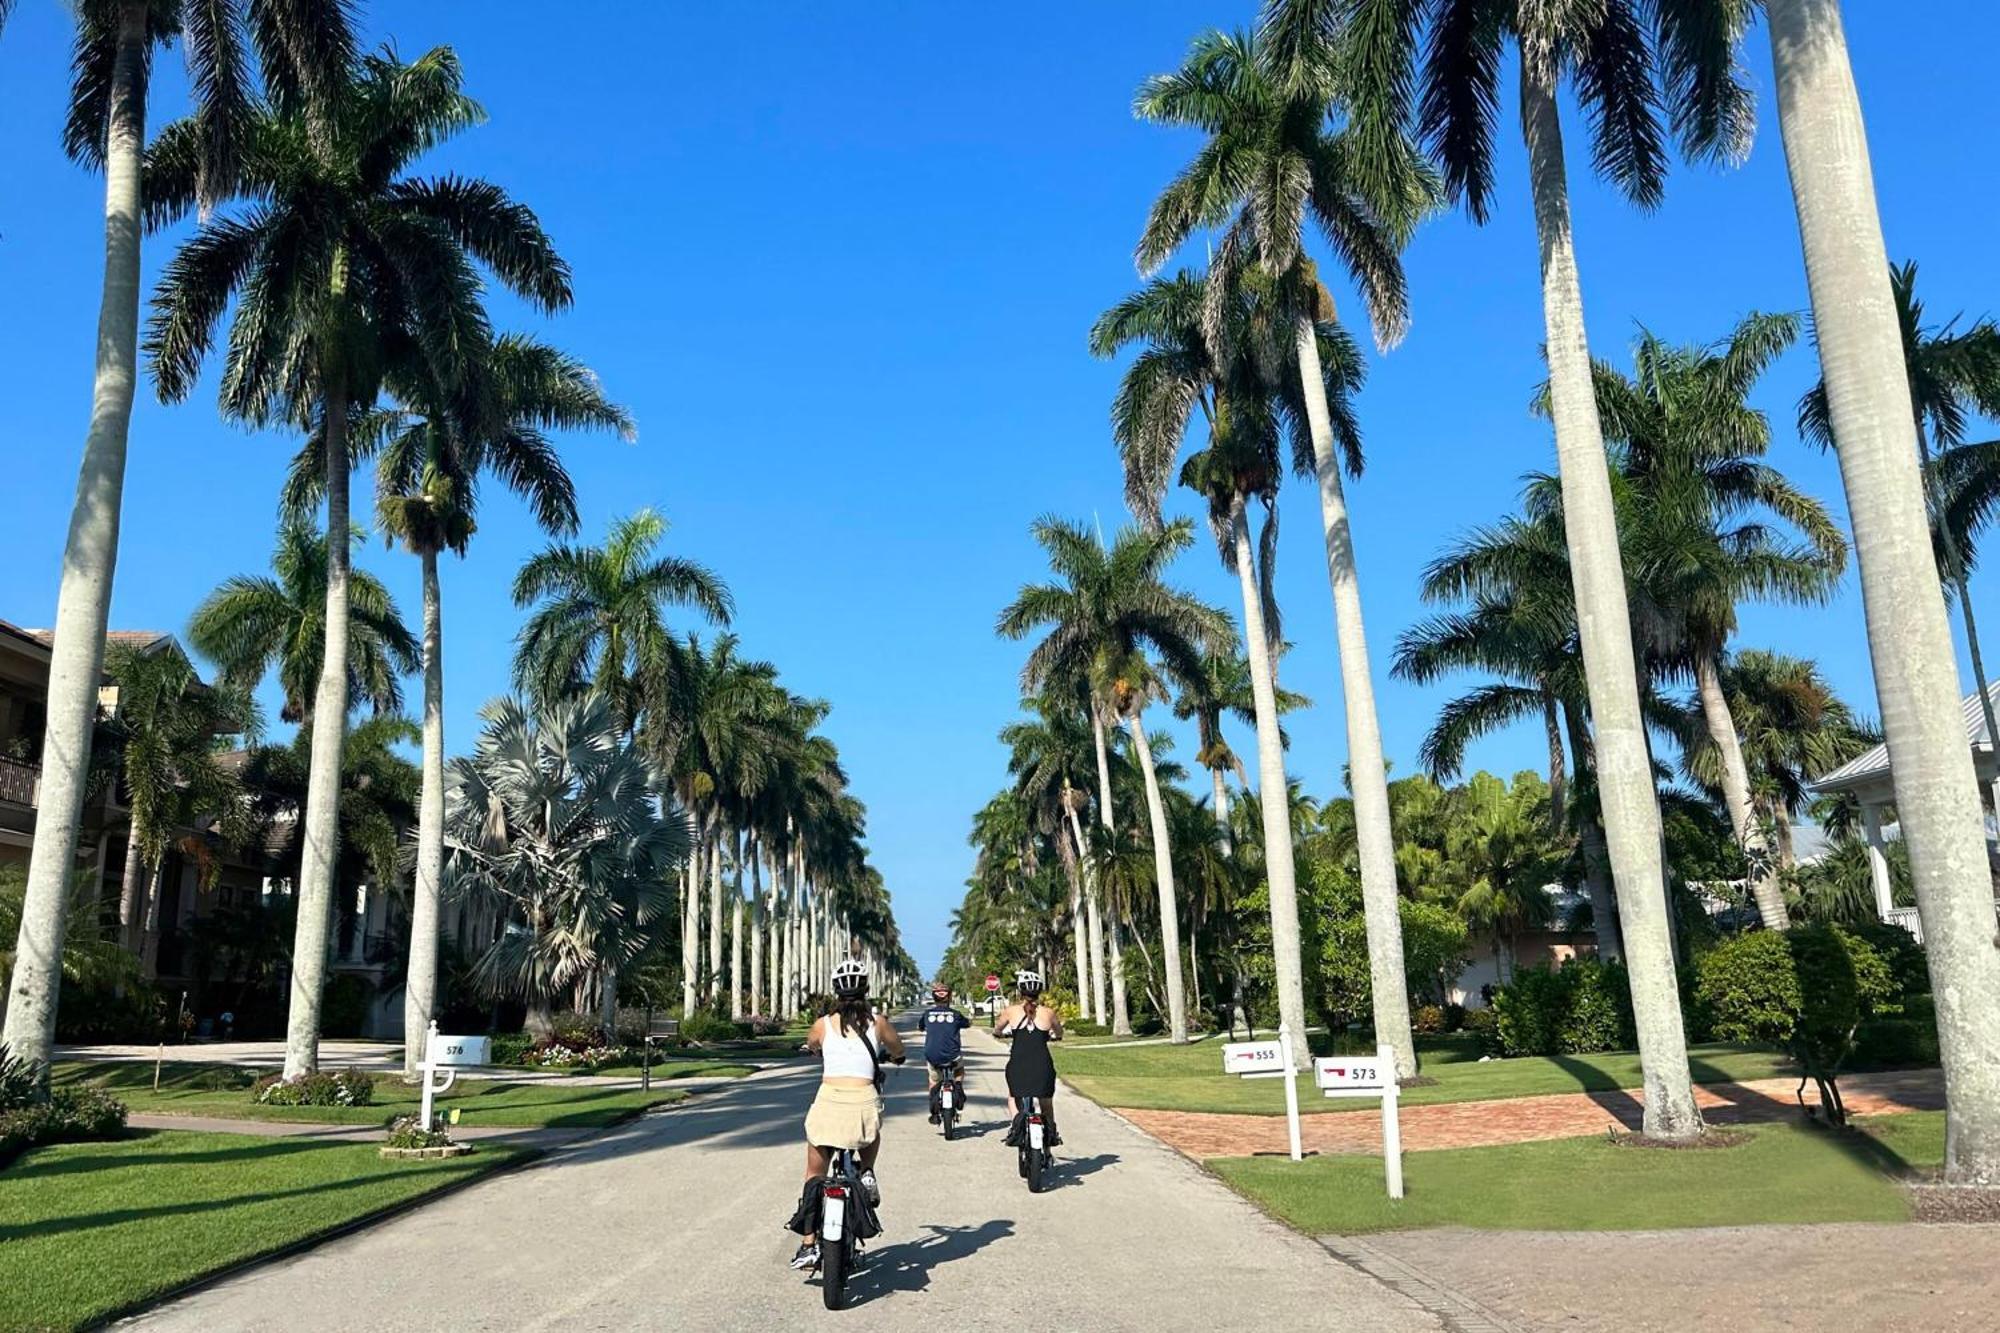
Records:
x=943, y=1049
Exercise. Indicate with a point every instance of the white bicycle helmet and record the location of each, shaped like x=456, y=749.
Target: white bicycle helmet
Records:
x=1028, y=983
x=850, y=977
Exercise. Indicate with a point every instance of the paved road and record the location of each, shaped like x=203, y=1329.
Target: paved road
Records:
x=675, y=1221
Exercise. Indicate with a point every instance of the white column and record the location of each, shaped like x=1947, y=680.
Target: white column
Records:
x=1878, y=860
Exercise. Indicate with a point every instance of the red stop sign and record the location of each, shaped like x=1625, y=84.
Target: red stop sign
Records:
x=992, y=981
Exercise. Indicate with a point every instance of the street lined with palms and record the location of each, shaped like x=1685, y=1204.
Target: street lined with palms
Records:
x=675, y=1220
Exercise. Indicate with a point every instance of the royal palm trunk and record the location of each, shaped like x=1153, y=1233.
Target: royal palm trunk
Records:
x=1736, y=798
x=1368, y=773
x=1093, y=920
x=1121, y=1018
x=1909, y=640
x=1163, y=877
x=1624, y=766
x=715, y=917
x=320, y=862
x=1280, y=871
x=420, y=987
x=90, y=557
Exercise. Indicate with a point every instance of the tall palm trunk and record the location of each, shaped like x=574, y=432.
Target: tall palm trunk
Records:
x=736, y=1010
x=1221, y=785
x=320, y=864
x=1163, y=878
x=715, y=916
x=1079, y=927
x=1121, y=1017
x=90, y=557
x=690, y=906
x=1280, y=872
x=420, y=985
x=1624, y=768
x=1558, y=777
x=1094, y=921
x=1954, y=571
x=1867, y=390
x=1736, y=797
x=1368, y=773
x=1590, y=845
x=130, y=889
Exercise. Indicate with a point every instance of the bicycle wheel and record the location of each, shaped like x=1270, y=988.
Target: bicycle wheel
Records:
x=946, y=1120
x=833, y=1266
x=1033, y=1167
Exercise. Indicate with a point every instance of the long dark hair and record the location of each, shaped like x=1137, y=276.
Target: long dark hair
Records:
x=854, y=1013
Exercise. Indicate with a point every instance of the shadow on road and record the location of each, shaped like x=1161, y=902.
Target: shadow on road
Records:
x=907, y=1265
x=1070, y=1172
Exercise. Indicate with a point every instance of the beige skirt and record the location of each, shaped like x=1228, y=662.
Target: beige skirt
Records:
x=844, y=1117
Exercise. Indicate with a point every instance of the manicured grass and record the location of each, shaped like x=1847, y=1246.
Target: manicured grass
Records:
x=211, y=1090
x=1784, y=1173
x=1190, y=1078
x=89, y=1229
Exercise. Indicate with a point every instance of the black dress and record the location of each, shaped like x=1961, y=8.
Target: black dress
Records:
x=1031, y=1072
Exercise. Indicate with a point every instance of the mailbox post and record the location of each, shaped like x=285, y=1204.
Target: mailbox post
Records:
x=446, y=1055
x=1269, y=1059
x=1360, y=1076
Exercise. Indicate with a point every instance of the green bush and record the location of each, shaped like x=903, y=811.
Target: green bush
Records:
x=1480, y=1023
x=20, y=1081
x=1814, y=989
x=1083, y=1027
x=706, y=1025
x=1576, y=1009
x=70, y=1115
x=350, y=1087
x=1427, y=1020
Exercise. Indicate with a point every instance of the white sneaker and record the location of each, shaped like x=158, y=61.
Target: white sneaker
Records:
x=874, y=1191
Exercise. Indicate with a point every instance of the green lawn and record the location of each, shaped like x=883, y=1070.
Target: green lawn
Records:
x=1784, y=1173
x=89, y=1229
x=211, y=1090
x=1190, y=1078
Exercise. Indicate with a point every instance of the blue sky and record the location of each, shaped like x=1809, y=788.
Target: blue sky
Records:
x=839, y=262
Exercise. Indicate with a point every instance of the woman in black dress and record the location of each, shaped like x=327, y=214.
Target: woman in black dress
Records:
x=1031, y=1072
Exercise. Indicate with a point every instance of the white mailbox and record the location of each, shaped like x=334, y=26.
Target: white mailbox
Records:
x=459, y=1051
x=1253, y=1057
x=1362, y=1073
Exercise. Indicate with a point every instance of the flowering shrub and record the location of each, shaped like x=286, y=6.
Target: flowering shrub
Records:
x=70, y=1115
x=350, y=1087
x=554, y=1053
x=406, y=1131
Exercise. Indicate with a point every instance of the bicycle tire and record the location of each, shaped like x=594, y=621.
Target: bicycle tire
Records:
x=833, y=1266
x=1037, y=1163
x=947, y=1118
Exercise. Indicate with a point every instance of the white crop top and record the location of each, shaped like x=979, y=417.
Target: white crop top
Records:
x=845, y=1056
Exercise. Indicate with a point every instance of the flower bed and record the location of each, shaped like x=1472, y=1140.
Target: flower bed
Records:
x=350, y=1087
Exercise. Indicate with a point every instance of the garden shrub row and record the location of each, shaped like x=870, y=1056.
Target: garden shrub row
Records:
x=29, y=1117
x=1579, y=1008
x=349, y=1087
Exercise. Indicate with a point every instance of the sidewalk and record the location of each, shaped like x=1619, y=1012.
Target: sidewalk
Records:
x=1201, y=1135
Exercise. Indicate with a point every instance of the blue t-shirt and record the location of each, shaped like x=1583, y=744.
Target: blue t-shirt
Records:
x=942, y=1024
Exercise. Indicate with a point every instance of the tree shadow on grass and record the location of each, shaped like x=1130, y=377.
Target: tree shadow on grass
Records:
x=907, y=1265
x=251, y=1150
x=57, y=1226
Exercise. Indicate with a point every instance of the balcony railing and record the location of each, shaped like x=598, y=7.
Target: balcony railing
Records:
x=19, y=782
x=1907, y=918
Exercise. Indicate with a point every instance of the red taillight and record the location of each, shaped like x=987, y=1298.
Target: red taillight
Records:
x=836, y=1192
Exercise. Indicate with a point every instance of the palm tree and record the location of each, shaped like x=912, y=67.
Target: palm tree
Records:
x=1793, y=729
x=1954, y=374
x=345, y=264
x=1519, y=623
x=1628, y=65
x=1698, y=524
x=168, y=725
x=1269, y=160
x=433, y=448
x=557, y=815
x=601, y=621
x=1047, y=755
x=1193, y=357
x=1916, y=678
x=304, y=48
x=253, y=626
x=1499, y=855
x=1107, y=612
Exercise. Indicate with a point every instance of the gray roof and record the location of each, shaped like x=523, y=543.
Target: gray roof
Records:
x=1873, y=765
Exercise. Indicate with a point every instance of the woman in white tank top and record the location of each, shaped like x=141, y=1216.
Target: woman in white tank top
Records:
x=853, y=1042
